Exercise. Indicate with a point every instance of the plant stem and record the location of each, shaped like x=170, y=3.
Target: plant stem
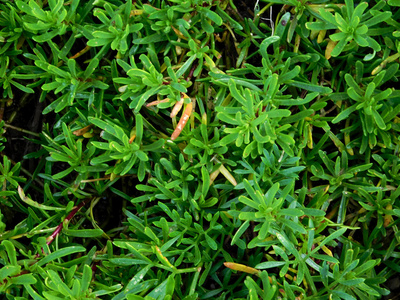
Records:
x=21, y=130
x=58, y=229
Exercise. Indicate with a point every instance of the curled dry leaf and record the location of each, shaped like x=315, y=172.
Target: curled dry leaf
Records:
x=182, y=122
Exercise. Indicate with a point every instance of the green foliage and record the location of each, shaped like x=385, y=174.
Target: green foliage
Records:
x=353, y=24
x=117, y=26
x=199, y=149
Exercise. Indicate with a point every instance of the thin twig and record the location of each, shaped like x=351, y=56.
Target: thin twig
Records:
x=21, y=130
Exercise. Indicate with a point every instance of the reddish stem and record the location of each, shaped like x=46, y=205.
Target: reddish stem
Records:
x=51, y=238
x=191, y=72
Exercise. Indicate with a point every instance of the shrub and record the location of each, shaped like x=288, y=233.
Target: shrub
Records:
x=199, y=149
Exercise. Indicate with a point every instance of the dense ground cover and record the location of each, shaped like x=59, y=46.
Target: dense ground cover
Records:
x=199, y=149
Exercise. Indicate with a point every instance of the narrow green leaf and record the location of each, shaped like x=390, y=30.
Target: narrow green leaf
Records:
x=86, y=278
x=240, y=232
x=60, y=253
x=311, y=87
x=270, y=264
x=329, y=238
x=249, y=202
x=344, y=114
x=288, y=245
x=213, y=245
x=84, y=233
